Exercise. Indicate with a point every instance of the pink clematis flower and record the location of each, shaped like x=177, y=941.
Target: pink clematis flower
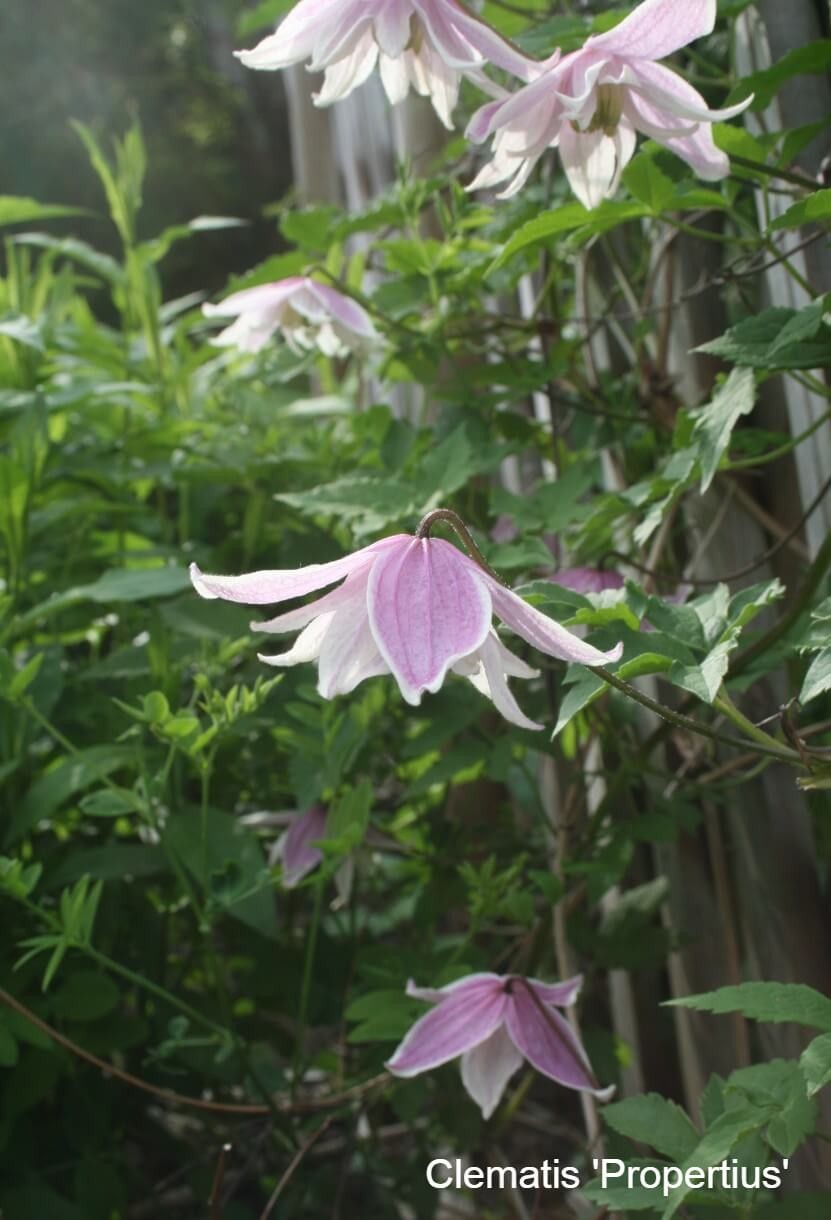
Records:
x=296, y=850
x=424, y=44
x=414, y=607
x=587, y=580
x=495, y=1022
x=308, y=314
x=590, y=104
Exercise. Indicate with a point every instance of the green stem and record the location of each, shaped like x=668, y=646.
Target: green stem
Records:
x=306, y=986
x=694, y=726
x=728, y=708
x=773, y=172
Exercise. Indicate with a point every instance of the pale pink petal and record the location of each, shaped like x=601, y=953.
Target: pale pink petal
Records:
x=343, y=309
x=487, y=1069
x=432, y=77
x=562, y=994
x=671, y=94
x=455, y=31
x=548, y=1042
x=278, y=585
x=298, y=855
x=306, y=647
x=349, y=652
x=543, y=632
x=462, y=1020
x=692, y=142
x=435, y=995
x=347, y=73
x=656, y=28
x=249, y=332
x=395, y=78
x=391, y=25
x=490, y=681
x=293, y=620
x=296, y=36
x=590, y=161
x=428, y=607
x=261, y=298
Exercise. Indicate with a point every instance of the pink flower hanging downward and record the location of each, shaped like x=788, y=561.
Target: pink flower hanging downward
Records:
x=424, y=44
x=590, y=104
x=495, y=1022
x=414, y=607
x=308, y=314
x=296, y=850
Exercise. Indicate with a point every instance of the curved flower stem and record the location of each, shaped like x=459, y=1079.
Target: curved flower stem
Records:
x=773, y=171
x=770, y=748
x=455, y=521
x=306, y=985
x=726, y=705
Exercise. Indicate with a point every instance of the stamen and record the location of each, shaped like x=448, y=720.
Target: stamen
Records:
x=608, y=110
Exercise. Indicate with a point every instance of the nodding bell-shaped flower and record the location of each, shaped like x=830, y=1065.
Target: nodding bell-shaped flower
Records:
x=590, y=104
x=424, y=44
x=295, y=848
x=412, y=606
x=308, y=314
x=495, y=1022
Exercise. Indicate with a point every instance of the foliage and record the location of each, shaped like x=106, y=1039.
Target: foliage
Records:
x=147, y=758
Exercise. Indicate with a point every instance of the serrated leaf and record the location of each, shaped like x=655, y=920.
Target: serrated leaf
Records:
x=715, y=422
x=818, y=678
x=816, y=209
x=775, y=339
x=815, y=1063
x=775, y=1002
x=651, y=1119
x=566, y=219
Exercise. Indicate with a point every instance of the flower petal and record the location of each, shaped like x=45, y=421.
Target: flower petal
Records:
x=670, y=93
x=656, y=28
x=490, y=681
x=587, y=580
x=343, y=309
x=562, y=994
x=306, y=647
x=292, y=620
x=487, y=1069
x=259, y=298
x=348, y=72
x=464, y=1018
x=434, y=995
x=278, y=585
x=546, y=635
x=349, y=652
x=298, y=855
x=548, y=1042
x=428, y=607
x=295, y=37
x=391, y=26
x=593, y=161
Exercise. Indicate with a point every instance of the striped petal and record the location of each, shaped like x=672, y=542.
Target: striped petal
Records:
x=428, y=608
x=466, y=1016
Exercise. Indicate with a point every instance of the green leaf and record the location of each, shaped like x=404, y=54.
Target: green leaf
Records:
x=111, y=803
x=566, y=219
x=774, y=1002
x=382, y=1016
x=715, y=422
x=348, y=818
x=86, y=995
x=816, y=209
x=57, y=785
x=216, y=849
x=651, y=1119
x=17, y=209
x=776, y=339
x=814, y=57
x=8, y=1048
x=818, y=678
x=815, y=1062
x=648, y=183
x=578, y=696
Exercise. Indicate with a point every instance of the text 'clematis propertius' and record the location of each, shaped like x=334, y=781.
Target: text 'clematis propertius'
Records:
x=307, y=314
x=495, y=1022
x=590, y=104
x=424, y=44
x=412, y=606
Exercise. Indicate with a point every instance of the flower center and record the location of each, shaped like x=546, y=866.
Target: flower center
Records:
x=416, y=35
x=608, y=110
